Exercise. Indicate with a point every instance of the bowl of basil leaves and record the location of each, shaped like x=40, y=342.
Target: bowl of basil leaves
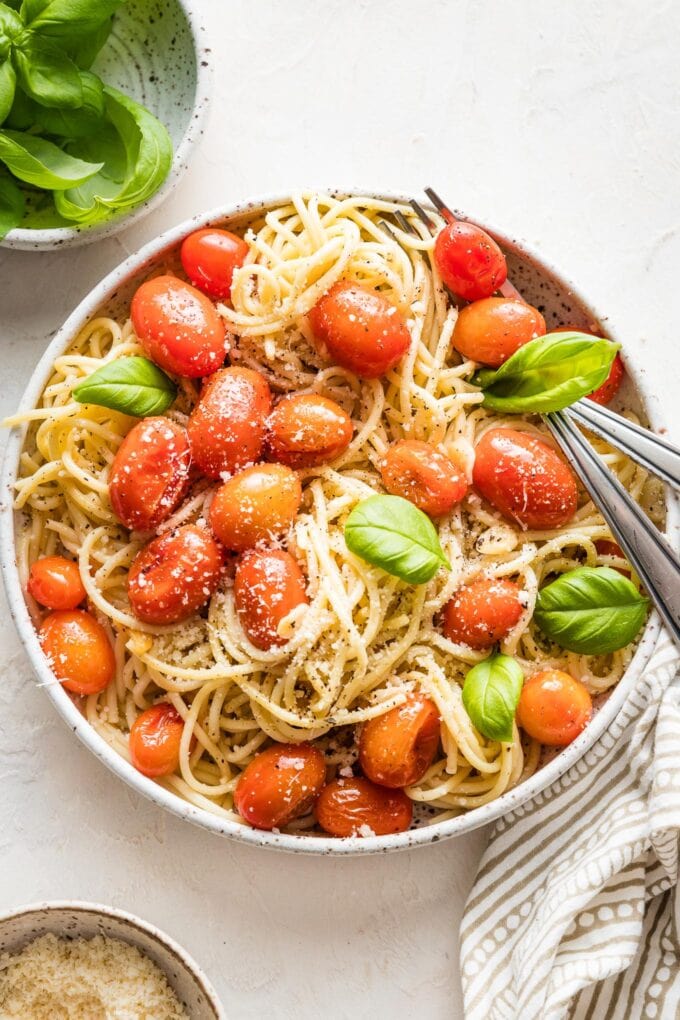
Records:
x=101, y=104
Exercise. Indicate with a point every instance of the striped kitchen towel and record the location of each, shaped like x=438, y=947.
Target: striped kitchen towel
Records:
x=575, y=911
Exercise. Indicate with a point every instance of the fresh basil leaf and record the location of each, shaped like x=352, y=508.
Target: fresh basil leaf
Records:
x=66, y=19
x=12, y=205
x=547, y=374
x=591, y=610
x=391, y=533
x=11, y=24
x=7, y=89
x=85, y=122
x=45, y=73
x=490, y=695
x=84, y=48
x=133, y=386
x=42, y=163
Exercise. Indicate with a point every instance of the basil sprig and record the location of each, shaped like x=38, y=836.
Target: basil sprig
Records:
x=591, y=610
x=134, y=386
x=490, y=695
x=547, y=374
x=392, y=533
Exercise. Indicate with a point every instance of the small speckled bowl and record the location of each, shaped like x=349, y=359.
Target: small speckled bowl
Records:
x=157, y=54
x=68, y=919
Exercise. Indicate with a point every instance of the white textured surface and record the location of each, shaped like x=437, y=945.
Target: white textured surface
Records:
x=558, y=122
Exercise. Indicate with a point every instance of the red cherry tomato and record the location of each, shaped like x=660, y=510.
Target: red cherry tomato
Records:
x=78, y=650
x=361, y=330
x=55, y=582
x=178, y=327
x=174, y=575
x=209, y=258
x=396, y=749
x=357, y=807
x=154, y=741
x=424, y=475
x=492, y=329
x=554, y=708
x=605, y=393
x=307, y=429
x=525, y=479
x=150, y=473
x=228, y=424
x=469, y=261
x=607, y=548
x=255, y=506
x=482, y=613
x=280, y=784
x=268, y=586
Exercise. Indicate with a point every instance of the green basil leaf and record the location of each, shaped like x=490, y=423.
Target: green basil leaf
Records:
x=490, y=695
x=12, y=205
x=46, y=74
x=7, y=89
x=42, y=163
x=134, y=386
x=85, y=122
x=390, y=532
x=591, y=610
x=547, y=374
x=66, y=19
x=11, y=24
x=83, y=49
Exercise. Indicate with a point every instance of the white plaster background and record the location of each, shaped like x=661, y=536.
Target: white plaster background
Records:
x=558, y=121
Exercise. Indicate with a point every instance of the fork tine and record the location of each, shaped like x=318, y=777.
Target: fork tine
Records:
x=404, y=223
x=421, y=214
x=388, y=230
x=438, y=202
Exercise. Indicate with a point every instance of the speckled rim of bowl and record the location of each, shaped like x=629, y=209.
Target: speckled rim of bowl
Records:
x=180, y=955
x=51, y=238
x=432, y=833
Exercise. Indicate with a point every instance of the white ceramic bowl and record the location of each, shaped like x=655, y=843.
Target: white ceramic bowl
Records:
x=157, y=53
x=541, y=285
x=85, y=920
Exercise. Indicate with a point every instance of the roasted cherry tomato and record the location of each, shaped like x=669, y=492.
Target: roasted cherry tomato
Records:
x=280, y=784
x=307, y=429
x=607, y=548
x=605, y=393
x=155, y=737
x=55, y=582
x=489, y=331
x=362, y=331
x=469, y=261
x=78, y=650
x=268, y=585
x=150, y=473
x=209, y=257
x=178, y=327
x=424, y=475
x=483, y=612
x=553, y=707
x=357, y=807
x=396, y=749
x=256, y=505
x=174, y=575
x=227, y=426
x=525, y=479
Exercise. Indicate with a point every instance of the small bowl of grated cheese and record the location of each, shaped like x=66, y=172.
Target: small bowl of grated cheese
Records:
x=84, y=961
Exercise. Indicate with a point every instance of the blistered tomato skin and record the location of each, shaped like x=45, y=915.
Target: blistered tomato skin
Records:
x=554, y=708
x=360, y=329
x=55, y=583
x=525, y=479
x=424, y=475
x=178, y=327
x=482, y=612
x=469, y=261
x=209, y=258
x=492, y=329
x=280, y=784
x=306, y=429
x=268, y=586
x=255, y=506
x=150, y=473
x=227, y=426
x=78, y=650
x=605, y=393
x=358, y=807
x=154, y=741
x=174, y=575
x=396, y=749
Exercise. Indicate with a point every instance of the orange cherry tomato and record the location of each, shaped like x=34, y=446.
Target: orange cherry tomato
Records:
x=209, y=258
x=78, y=650
x=424, y=475
x=525, y=479
x=553, y=707
x=307, y=429
x=362, y=331
x=228, y=424
x=492, y=329
x=396, y=749
x=154, y=741
x=357, y=807
x=55, y=582
x=268, y=585
x=605, y=393
x=469, y=261
x=150, y=473
x=174, y=575
x=178, y=327
x=280, y=784
x=254, y=506
x=482, y=613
